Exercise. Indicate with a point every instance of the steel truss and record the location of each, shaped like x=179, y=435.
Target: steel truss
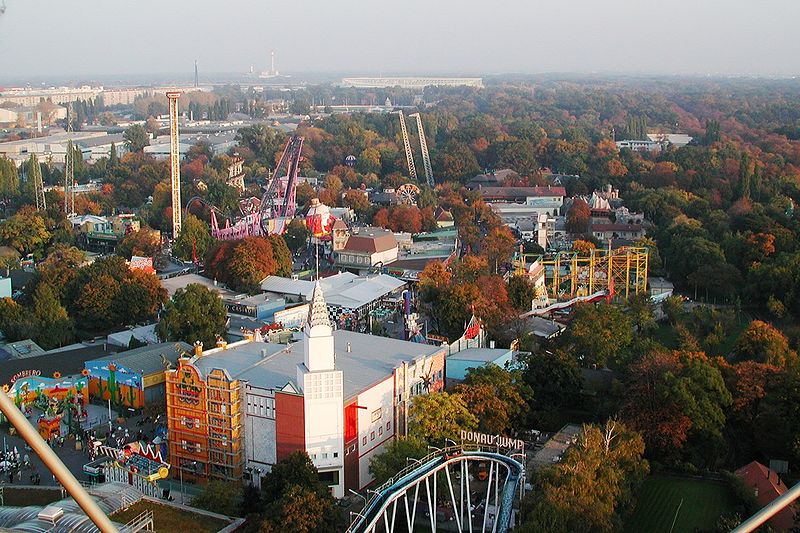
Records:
x=444, y=477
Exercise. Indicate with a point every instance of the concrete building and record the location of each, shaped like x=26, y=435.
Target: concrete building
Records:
x=410, y=82
x=29, y=115
x=235, y=410
x=220, y=143
x=460, y=362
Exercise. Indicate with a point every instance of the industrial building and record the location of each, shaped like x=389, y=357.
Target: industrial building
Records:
x=410, y=82
x=235, y=410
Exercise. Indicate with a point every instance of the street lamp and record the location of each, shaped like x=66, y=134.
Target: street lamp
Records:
x=354, y=493
x=446, y=440
x=357, y=514
x=418, y=461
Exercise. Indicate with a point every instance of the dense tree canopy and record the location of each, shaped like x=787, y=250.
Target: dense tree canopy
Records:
x=193, y=314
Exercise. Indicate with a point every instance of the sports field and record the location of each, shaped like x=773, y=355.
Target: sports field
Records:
x=660, y=497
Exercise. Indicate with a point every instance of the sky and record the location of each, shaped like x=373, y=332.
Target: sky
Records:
x=58, y=39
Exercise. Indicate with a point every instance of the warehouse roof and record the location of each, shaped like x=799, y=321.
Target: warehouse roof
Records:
x=147, y=359
x=181, y=282
x=371, y=359
x=344, y=289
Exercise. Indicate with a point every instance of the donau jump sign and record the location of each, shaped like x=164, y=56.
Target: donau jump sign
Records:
x=492, y=440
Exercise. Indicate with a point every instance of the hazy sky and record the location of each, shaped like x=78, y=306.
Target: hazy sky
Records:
x=82, y=37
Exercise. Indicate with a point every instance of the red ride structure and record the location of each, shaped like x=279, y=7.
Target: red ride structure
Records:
x=278, y=204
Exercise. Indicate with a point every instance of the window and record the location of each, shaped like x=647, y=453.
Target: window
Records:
x=324, y=455
x=372, y=436
x=380, y=431
x=388, y=426
x=335, y=455
x=364, y=441
x=376, y=415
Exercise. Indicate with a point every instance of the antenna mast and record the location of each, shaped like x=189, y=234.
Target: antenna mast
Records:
x=426, y=158
x=412, y=169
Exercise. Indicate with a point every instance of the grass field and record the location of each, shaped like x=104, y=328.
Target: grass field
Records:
x=660, y=496
x=168, y=518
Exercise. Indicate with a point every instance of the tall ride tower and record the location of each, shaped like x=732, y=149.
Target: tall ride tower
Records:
x=174, y=161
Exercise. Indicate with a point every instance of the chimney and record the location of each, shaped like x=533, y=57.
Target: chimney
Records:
x=491, y=345
x=221, y=343
x=198, y=348
x=263, y=352
x=349, y=348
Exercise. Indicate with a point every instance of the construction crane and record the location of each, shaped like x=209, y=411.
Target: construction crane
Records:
x=174, y=162
x=38, y=184
x=412, y=169
x=426, y=158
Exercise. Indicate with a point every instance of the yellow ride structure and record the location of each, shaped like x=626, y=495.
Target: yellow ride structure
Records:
x=622, y=271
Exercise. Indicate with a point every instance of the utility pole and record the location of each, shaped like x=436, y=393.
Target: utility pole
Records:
x=196, y=79
x=175, y=162
x=69, y=170
x=38, y=185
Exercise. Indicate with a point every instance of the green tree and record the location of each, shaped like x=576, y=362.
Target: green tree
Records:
x=640, y=309
x=394, y=457
x=498, y=246
x=296, y=235
x=143, y=243
x=193, y=314
x=520, y=292
x=136, y=138
x=598, y=334
x=53, y=326
x=9, y=179
x=195, y=237
x=438, y=416
x=16, y=322
x=26, y=231
x=357, y=201
x=497, y=397
x=261, y=139
x=219, y=497
x=140, y=297
x=113, y=159
x=556, y=382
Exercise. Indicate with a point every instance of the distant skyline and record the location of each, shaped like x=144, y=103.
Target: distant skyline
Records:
x=73, y=40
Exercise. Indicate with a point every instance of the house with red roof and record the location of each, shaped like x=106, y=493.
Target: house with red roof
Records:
x=767, y=486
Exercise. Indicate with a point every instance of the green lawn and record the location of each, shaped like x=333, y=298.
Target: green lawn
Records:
x=169, y=518
x=660, y=496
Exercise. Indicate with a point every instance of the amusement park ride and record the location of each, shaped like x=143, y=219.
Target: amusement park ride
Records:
x=277, y=206
x=426, y=158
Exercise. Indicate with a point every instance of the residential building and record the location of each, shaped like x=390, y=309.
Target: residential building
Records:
x=495, y=178
x=367, y=248
x=767, y=486
x=617, y=231
x=675, y=139
x=340, y=396
x=219, y=143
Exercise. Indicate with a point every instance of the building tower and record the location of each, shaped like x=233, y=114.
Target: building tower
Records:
x=175, y=161
x=323, y=395
x=272, y=71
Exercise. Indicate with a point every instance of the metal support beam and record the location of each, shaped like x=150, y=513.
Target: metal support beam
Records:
x=423, y=145
x=54, y=464
x=777, y=505
x=412, y=169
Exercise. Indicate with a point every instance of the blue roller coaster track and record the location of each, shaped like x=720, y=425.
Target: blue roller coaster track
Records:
x=380, y=512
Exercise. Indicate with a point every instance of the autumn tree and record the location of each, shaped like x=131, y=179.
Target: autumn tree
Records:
x=496, y=396
x=578, y=217
x=143, y=243
x=498, y=246
x=582, y=247
x=243, y=264
x=60, y=267
x=437, y=416
x=593, y=486
x=194, y=239
x=194, y=313
x=25, y=231
x=521, y=292
x=357, y=201
x=763, y=343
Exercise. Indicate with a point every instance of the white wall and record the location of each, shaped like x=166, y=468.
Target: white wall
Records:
x=259, y=427
x=377, y=399
x=324, y=422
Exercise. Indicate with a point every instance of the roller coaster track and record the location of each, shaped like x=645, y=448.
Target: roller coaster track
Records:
x=380, y=512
